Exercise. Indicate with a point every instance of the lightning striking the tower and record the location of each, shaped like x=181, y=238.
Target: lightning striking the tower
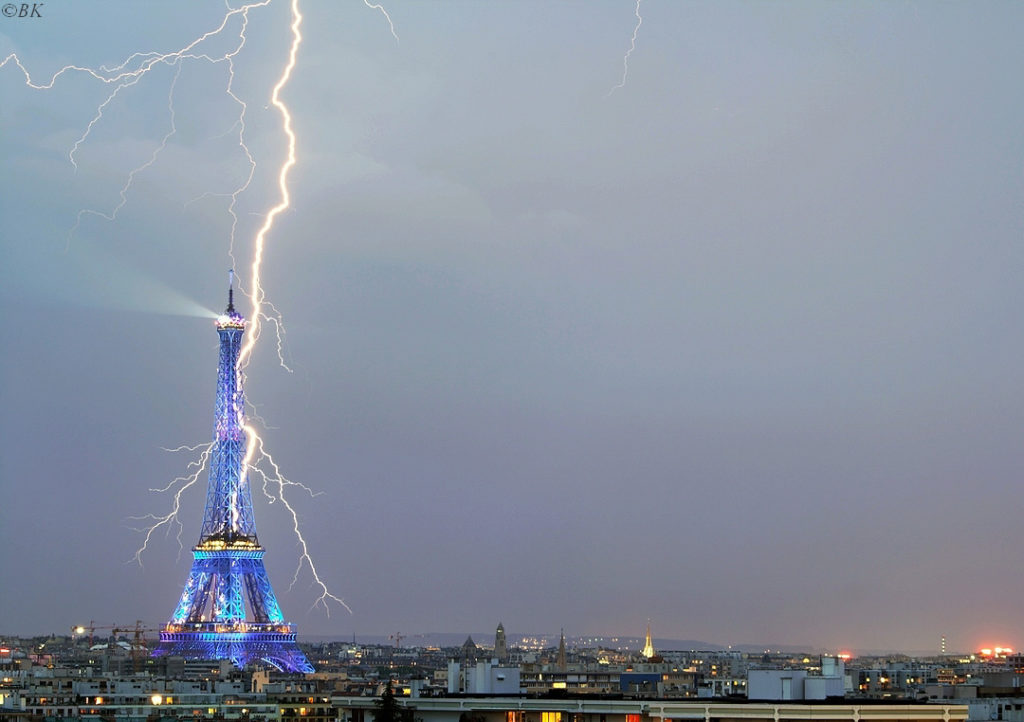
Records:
x=234, y=24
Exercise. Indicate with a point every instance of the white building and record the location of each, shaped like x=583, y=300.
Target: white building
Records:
x=482, y=678
x=798, y=684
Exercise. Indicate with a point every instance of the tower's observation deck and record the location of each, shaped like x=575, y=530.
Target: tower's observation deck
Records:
x=228, y=609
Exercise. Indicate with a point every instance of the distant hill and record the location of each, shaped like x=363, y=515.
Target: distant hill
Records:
x=547, y=639
x=550, y=639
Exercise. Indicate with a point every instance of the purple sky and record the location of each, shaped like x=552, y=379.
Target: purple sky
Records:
x=735, y=348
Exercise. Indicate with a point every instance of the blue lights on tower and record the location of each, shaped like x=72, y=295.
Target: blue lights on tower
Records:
x=212, y=620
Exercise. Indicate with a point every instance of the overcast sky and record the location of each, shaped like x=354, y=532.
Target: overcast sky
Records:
x=736, y=348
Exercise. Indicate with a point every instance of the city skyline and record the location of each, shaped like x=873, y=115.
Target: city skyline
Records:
x=734, y=346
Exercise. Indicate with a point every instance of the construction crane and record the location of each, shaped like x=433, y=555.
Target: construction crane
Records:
x=138, y=645
x=398, y=637
x=80, y=629
x=138, y=631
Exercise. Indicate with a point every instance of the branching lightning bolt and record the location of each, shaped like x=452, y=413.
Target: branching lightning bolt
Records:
x=125, y=75
x=255, y=292
x=179, y=485
x=632, y=47
x=276, y=478
x=135, y=171
x=254, y=450
x=176, y=58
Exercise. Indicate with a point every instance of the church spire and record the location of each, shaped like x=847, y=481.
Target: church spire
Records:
x=500, y=644
x=648, y=650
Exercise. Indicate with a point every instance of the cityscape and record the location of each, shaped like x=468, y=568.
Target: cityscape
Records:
x=681, y=338
x=96, y=672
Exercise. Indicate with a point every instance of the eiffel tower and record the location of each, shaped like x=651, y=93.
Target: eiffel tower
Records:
x=211, y=620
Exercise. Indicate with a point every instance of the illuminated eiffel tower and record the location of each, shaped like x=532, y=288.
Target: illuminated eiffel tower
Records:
x=211, y=620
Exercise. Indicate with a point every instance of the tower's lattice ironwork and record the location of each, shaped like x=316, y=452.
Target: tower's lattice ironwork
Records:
x=212, y=619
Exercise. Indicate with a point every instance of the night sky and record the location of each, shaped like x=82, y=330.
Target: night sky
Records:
x=736, y=347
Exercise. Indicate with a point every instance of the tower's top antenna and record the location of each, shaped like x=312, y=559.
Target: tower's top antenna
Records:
x=231, y=291
x=230, y=318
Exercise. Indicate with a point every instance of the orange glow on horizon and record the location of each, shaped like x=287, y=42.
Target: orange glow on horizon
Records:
x=995, y=651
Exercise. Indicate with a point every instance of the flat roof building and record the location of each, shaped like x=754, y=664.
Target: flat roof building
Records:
x=549, y=709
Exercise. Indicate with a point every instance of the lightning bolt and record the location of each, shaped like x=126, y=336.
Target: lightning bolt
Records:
x=255, y=293
x=387, y=17
x=127, y=74
x=632, y=47
x=179, y=485
x=276, y=478
x=176, y=58
x=257, y=298
x=135, y=171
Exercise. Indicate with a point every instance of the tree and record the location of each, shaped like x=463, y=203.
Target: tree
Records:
x=388, y=709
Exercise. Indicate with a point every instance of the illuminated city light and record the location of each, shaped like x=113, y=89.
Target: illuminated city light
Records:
x=995, y=652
